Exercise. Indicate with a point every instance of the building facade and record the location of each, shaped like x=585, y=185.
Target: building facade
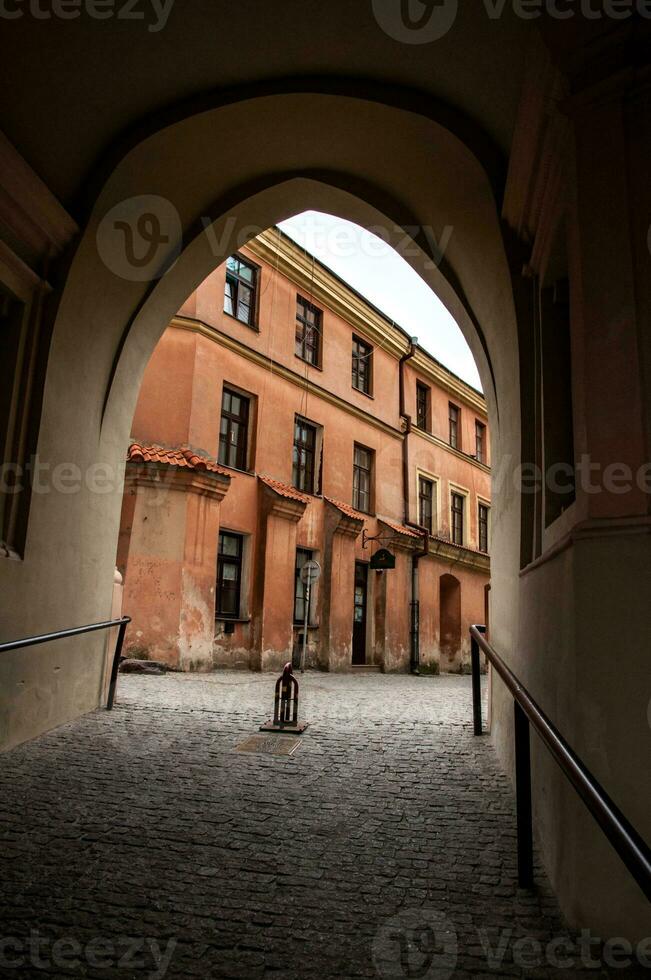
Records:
x=283, y=419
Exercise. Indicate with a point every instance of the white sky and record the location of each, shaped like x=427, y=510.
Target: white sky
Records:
x=376, y=270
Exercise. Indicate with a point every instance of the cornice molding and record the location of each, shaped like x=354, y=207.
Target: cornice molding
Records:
x=164, y=477
x=348, y=526
x=459, y=555
x=606, y=527
x=446, y=447
x=279, y=506
x=19, y=277
x=323, y=287
x=28, y=207
x=279, y=370
x=589, y=530
x=212, y=333
x=291, y=261
x=437, y=375
x=345, y=524
x=400, y=542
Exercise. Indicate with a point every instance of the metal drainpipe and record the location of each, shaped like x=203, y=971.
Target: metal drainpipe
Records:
x=414, y=633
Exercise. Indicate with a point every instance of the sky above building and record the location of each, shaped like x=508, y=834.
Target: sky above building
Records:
x=385, y=278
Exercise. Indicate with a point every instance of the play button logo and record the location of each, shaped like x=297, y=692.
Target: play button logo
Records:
x=416, y=21
x=418, y=943
x=140, y=238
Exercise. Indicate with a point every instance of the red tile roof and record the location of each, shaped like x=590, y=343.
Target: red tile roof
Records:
x=183, y=456
x=347, y=509
x=400, y=528
x=283, y=490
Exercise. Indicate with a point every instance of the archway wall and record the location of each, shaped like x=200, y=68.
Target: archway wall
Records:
x=374, y=165
x=245, y=167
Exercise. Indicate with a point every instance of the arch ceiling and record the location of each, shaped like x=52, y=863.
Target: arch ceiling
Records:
x=115, y=75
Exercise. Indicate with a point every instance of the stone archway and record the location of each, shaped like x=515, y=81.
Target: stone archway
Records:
x=239, y=165
x=357, y=164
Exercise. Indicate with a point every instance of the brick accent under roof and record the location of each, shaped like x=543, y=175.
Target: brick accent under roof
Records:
x=183, y=456
x=291, y=493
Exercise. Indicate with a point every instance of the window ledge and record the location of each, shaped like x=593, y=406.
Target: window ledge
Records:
x=365, y=393
x=243, y=323
x=232, y=619
x=304, y=360
x=299, y=627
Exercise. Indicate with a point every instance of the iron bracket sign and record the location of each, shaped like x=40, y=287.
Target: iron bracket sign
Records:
x=375, y=537
x=383, y=560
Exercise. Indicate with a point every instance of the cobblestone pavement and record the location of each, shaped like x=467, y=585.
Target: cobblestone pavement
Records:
x=139, y=843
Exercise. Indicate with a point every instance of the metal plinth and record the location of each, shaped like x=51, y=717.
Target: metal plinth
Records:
x=287, y=728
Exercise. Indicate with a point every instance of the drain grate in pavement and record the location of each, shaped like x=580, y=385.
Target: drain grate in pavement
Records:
x=270, y=744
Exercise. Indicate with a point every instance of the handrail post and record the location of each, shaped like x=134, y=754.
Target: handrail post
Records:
x=523, y=797
x=116, y=665
x=626, y=840
x=476, y=683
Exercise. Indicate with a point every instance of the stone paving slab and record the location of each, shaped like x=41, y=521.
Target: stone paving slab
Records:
x=140, y=843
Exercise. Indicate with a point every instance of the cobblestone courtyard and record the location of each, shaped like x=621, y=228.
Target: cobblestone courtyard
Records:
x=141, y=844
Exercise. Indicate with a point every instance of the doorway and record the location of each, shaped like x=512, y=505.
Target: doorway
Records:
x=360, y=614
x=450, y=606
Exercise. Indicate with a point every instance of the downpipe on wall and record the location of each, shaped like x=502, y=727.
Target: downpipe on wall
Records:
x=414, y=605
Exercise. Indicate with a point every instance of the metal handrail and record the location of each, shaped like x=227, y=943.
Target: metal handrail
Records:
x=122, y=623
x=627, y=842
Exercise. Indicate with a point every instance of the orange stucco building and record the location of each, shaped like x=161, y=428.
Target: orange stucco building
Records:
x=282, y=418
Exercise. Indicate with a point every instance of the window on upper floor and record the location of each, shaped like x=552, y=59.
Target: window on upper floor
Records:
x=480, y=442
x=304, y=472
x=309, y=320
x=363, y=479
x=229, y=575
x=427, y=516
x=454, y=417
x=234, y=430
x=240, y=290
x=483, y=518
x=458, y=505
x=422, y=406
x=362, y=376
